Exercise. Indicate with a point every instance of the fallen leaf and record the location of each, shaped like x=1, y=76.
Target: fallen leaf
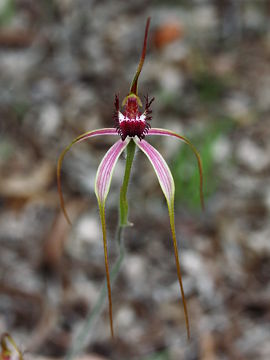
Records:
x=167, y=33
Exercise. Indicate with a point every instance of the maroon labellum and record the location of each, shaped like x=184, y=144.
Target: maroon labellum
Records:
x=132, y=122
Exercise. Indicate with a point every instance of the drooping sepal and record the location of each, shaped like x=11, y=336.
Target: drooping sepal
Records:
x=87, y=135
x=105, y=170
x=134, y=84
x=166, y=182
x=165, y=132
x=102, y=186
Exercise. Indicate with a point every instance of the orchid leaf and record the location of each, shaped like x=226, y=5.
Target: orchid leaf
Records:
x=167, y=185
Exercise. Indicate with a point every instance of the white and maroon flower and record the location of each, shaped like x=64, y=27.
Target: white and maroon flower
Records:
x=132, y=124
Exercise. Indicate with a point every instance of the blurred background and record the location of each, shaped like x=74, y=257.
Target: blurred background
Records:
x=207, y=64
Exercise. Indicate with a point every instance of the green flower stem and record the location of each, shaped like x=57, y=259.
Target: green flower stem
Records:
x=123, y=204
x=83, y=335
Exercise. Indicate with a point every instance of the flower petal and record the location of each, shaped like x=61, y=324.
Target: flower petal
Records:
x=102, y=186
x=105, y=131
x=161, y=168
x=105, y=170
x=165, y=132
x=167, y=185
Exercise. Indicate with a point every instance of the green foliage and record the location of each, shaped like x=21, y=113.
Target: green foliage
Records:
x=209, y=86
x=173, y=103
x=163, y=355
x=20, y=108
x=7, y=12
x=6, y=148
x=184, y=168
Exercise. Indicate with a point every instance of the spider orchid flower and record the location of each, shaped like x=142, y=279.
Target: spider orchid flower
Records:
x=133, y=125
x=7, y=342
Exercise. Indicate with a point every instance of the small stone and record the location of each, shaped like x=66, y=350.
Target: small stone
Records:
x=221, y=149
x=125, y=317
x=17, y=65
x=88, y=229
x=259, y=241
x=252, y=156
x=134, y=269
x=50, y=119
x=238, y=107
x=171, y=80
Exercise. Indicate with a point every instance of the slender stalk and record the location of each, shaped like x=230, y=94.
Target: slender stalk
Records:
x=102, y=218
x=123, y=204
x=83, y=335
x=177, y=262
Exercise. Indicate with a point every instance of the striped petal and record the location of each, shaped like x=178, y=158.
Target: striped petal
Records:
x=165, y=132
x=161, y=168
x=105, y=131
x=102, y=186
x=167, y=185
x=105, y=170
